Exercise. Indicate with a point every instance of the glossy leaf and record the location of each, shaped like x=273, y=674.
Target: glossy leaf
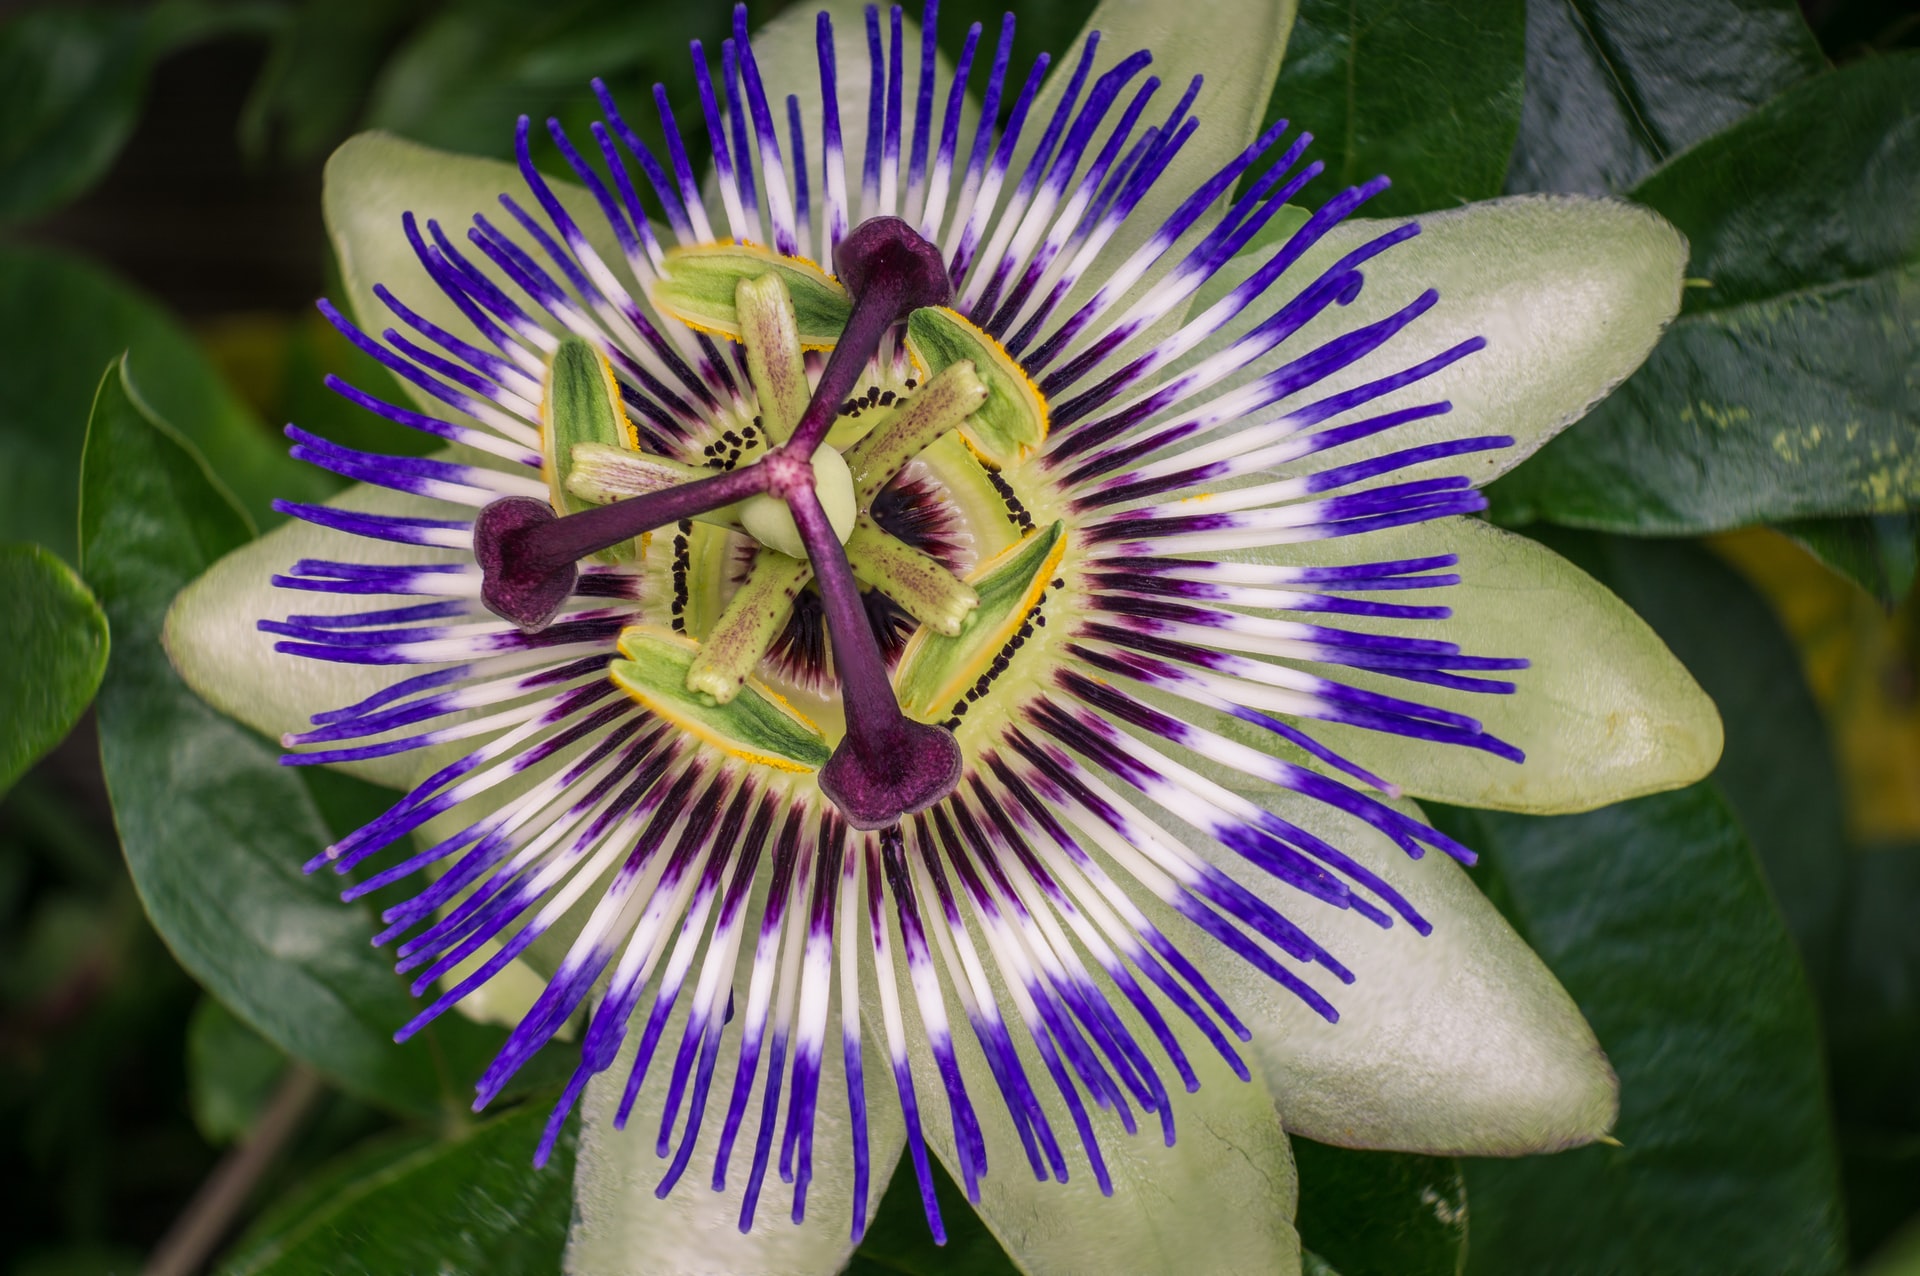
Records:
x=55, y=638
x=1569, y=295
x=1604, y=711
x=1777, y=771
x=321, y=63
x=898, y=1243
x=1786, y=387
x=473, y=1205
x=1615, y=87
x=467, y=71
x=1655, y=916
x=213, y=828
x=1871, y=1007
x=71, y=81
x=231, y=1071
x=1427, y=92
x=61, y=320
x=1877, y=552
x=1380, y=1213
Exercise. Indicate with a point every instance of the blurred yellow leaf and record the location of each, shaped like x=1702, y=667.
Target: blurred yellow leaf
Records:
x=1861, y=663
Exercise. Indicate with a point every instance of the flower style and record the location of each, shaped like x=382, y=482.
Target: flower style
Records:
x=1026, y=622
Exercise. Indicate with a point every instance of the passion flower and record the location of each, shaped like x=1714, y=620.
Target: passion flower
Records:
x=897, y=601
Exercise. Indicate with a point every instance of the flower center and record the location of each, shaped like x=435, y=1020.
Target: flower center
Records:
x=808, y=506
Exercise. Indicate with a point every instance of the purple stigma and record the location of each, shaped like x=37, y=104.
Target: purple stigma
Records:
x=887, y=765
x=527, y=553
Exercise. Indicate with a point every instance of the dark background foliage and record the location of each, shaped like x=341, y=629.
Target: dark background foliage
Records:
x=1745, y=948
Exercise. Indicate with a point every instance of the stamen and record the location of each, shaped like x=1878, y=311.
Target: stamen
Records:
x=746, y=629
x=930, y=593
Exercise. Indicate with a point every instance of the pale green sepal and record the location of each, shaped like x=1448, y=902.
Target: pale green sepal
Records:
x=754, y=725
x=1604, y=713
x=1220, y=1201
x=1460, y=1042
x=700, y=282
x=789, y=61
x=1235, y=45
x=1012, y=421
x=768, y=519
x=373, y=178
x=620, y=1228
x=210, y=632
x=1570, y=294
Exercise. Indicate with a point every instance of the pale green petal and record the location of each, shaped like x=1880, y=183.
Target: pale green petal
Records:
x=621, y=1229
x=1604, y=713
x=212, y=638
x=1460, y=1042
x=1570, y=294
x=1226, y=1189
x=1220, y=1200
x=789, y=62
x=376, y=177
x=1235, y=45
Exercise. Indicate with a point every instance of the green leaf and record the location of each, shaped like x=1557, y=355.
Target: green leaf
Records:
x=468, y=71
x=1872, y=1011
x=898, y=1242
x=71, y=81
x=473, y=1205
x=1777, y=770
x=1615, y=87
x=1426, y=91
x=323, y=60
x=213, y=828
x=55, y=638
x=1877, y=552
x=1655, y=916
x=231, y=1071
x=1786, y=387
x=61, y=320
x=1604, y=712
x=1382, y=1213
